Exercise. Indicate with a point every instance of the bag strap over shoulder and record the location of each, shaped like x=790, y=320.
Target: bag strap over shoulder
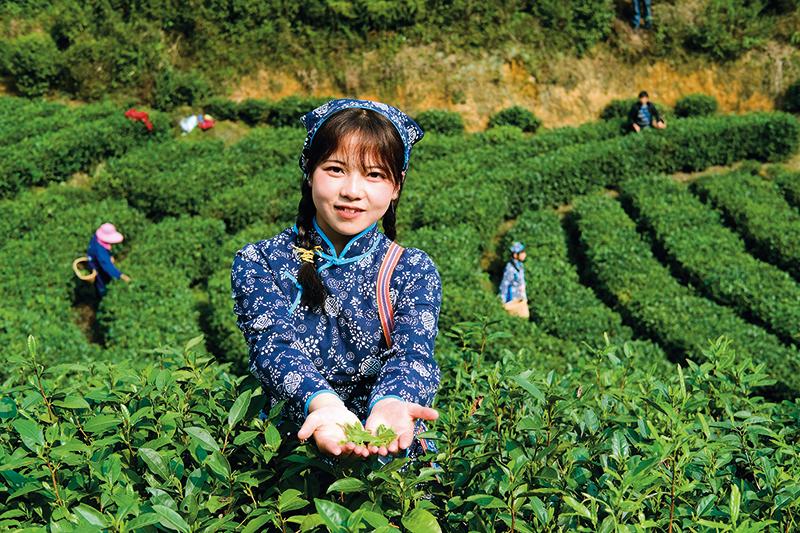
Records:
x=385, y=310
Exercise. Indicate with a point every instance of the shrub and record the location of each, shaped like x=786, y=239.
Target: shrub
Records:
x=689, y=145
x=222, y=109
x=56, y=155
x=769, y=225
x=187, y=420
x=728, y=28
x=791, y=98
x=712, y=257
x=37, y=286
x=34, y=64
x=175, y=88
x=287, y=111
x=789, y=183
x=695, y=105
x=254, y=112
x=557, y=300
x=516, y=116
x=178, y=177
x=618, y=109
x=624, y=270
x=158, y=307
x=440, y=121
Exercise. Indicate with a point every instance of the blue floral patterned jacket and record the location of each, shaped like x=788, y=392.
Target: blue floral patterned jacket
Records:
x=297, y=353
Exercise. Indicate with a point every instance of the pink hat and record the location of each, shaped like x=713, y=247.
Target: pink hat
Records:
x=108, y=233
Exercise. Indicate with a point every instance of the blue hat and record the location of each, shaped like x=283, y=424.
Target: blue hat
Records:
x=517, y=247
x=409, y=131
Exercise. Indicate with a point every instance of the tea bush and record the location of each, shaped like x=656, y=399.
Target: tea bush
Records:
x=518, y=449
x=769, y=225
x=55, y=155
x=618, y=109
x=517, y=116
x=688, y=145
x=37, y=286
x=624, y=270
x=33, y=64
x=696, y=105
x=157, y=307
x=55, y=119
x=693, y=238
x=203, y=177
x=789, y=183
x=440, y=121
x=558, y=301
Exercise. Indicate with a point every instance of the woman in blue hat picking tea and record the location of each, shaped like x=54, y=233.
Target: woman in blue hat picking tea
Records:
x=341, y=320
x=512, y=287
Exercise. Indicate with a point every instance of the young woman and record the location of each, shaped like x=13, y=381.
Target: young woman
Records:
x=340, y=320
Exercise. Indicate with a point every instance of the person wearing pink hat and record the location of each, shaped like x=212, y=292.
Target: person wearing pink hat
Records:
x=100, y=257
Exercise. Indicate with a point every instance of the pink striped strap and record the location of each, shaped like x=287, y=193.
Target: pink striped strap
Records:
x=385, y=311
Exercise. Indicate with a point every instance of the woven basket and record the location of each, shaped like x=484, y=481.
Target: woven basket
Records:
x=80, y=272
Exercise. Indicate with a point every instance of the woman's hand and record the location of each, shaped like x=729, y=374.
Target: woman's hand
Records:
x=401, y=416
x=325, y=414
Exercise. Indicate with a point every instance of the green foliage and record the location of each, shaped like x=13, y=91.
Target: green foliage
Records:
x=286, y=112
x=247, y=182
x=72, y=147
x=440, y=121
x=729, y=28
x=175, y=88
x=167, y=259
x=356, y=434
x=625, y=272
x=789, y=183
x=38, y=288
x=222, y=109
x=34, y=64
x=517, y=116
x=696, y=105
x=582, y=23
x=694, y=447
x=769, y=225
x=618, y=109
x=688, y=145
x=254, y=111
x=693, y=239
x=558, y=301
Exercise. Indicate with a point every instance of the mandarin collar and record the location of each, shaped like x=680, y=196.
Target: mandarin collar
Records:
x=363, y=243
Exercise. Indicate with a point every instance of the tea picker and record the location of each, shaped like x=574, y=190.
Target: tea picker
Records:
x=99, y=259
x=512, y=287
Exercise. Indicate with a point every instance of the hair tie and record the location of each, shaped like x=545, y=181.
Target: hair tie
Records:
x=306, y=255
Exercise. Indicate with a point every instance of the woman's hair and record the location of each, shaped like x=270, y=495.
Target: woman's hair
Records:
x=379, y=144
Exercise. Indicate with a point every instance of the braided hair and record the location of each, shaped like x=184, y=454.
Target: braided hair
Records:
x=378, y=140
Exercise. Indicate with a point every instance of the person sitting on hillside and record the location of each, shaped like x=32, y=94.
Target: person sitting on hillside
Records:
x=512, y=287
x=644, y=114
x=100, y=257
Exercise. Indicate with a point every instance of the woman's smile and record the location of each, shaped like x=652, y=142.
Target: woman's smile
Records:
x=348, y=212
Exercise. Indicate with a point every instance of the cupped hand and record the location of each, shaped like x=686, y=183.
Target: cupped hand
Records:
x=401, y=416
x=326, y=416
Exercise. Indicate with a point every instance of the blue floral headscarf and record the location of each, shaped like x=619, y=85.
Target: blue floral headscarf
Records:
x=409, y=130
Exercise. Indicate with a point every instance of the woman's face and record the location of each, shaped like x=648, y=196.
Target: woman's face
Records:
x=350, y=194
